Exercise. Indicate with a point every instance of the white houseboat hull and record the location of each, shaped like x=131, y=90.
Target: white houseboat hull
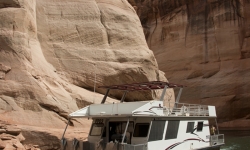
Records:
x=147, y=125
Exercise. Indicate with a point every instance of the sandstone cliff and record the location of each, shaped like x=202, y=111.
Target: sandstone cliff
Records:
x=204, y=45
x=51, y=52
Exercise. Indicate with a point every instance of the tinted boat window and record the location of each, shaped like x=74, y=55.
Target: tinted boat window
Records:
x=141, y=130
x=190, y=127
x=200, y=126
x=118, y=127
x=156, y=132
x=172, y=129
x=96, y=129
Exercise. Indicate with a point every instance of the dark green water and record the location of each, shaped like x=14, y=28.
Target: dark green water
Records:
x=236, y=140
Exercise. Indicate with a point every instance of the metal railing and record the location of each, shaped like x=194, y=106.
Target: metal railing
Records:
x=85, y=145
x=217, y=139
x=135, y=147
x=182, y=109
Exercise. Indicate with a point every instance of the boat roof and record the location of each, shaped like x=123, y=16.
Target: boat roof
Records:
x=151, y=85
x=152, y=108
x=144, y=108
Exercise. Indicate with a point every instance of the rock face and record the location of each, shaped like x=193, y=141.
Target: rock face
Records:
x=10, y=137
x=84, y=39
x=204, y=45
x=52, y=52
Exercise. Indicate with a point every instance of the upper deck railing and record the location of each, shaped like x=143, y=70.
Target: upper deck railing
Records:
x=182, y=109
x=217, y=139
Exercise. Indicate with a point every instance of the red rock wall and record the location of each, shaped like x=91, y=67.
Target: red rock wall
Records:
x=204, y=45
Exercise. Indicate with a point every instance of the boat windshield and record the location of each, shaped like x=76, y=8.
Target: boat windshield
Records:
x=96, y=129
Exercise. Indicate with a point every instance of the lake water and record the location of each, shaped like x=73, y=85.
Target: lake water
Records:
x=236, y=140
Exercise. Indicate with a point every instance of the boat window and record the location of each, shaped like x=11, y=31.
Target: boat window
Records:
x=96, y=129
x=190, y=127
x=156, y=132
x=141, y=130
x=172, y=129
x=200, y=126
x=117, y=129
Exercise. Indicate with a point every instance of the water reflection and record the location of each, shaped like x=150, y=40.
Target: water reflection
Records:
x=236, y=140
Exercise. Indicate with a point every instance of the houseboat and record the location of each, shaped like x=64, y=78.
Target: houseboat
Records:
x=147, y=125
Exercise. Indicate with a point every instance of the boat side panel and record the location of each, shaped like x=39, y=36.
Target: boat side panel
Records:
x=114, y=109
x=184, y=140
x=151, y=108
x=191, y=140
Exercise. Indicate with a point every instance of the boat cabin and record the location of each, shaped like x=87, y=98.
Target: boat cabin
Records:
x=147, y=125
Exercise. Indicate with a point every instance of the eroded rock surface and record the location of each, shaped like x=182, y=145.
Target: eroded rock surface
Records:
x=95, y=38
x=204, y=45
x=21, y=137
x=52, y=52
x=10, y=136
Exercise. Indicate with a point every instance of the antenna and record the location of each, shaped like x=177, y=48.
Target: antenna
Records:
x=94, y=83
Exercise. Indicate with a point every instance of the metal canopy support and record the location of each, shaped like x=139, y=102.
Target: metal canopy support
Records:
x=65, y=128
x=217, y=125
x=105, y=96
x=178, y=97
x=63, y=140
x=163, y=92
x=123, y=97
x=124, y=134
